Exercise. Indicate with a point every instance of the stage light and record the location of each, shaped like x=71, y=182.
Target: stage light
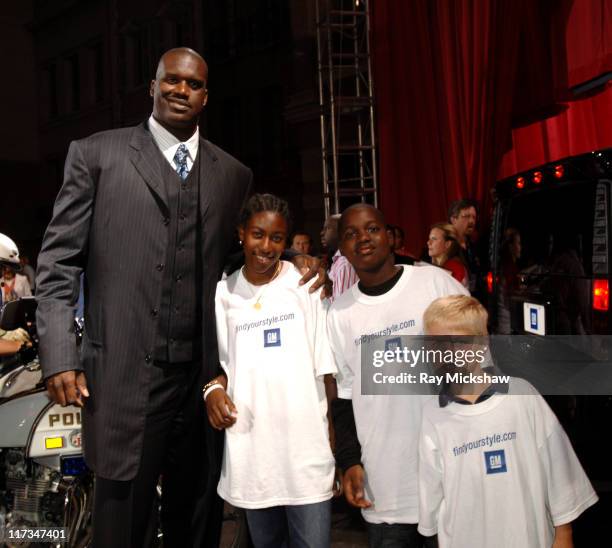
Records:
x=537, y=177
x=520, y=182
x=559, y=171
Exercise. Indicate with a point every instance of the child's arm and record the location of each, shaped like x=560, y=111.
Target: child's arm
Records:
x=348, y=453
x=563, y=536
x=568, y=489
x=431, y=490
x=219, y=406
x=352, y=484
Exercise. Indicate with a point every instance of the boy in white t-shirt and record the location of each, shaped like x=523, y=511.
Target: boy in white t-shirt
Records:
x=495, y=466
x=377, y=436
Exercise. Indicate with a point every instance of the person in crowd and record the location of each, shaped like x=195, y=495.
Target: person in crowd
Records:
x=329, y=236
x=569, y=284
x=399, y=242
x=445, y=251
x=270, y=397
x=495, y=466
x=509, y=279
x=462, y=214
x=28, y=271
x=393, y=232
x=340, y=271
x=147, y=213
x=377, y=436
x=14, y=285
x=8, y=348
x=10, y=341
x=302, y=243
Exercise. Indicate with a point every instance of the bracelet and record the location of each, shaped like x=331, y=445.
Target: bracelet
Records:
x=209, y=384
x=210, y=389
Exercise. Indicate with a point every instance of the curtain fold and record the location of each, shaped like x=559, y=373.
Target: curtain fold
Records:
x=583, y=127
x=444, y=74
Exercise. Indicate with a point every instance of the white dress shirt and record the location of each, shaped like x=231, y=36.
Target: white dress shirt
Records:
x=168, y=143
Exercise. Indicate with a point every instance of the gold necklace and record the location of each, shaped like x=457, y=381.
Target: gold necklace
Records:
x=257, y=304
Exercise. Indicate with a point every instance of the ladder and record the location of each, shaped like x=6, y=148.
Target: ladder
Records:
x=348, y=144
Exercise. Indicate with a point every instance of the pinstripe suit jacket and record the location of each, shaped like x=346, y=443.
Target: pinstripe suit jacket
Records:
x=109, y=222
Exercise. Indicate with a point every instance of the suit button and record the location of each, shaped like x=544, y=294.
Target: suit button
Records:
x=166, y=221
x=154, y=312
x=183, y=216
x=179, y=277
x=148, y=358
x=160, y=267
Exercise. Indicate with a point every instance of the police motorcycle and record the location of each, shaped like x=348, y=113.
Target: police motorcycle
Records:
x=43, y=478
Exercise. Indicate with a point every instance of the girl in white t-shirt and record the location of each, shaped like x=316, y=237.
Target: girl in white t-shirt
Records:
x=270, y=399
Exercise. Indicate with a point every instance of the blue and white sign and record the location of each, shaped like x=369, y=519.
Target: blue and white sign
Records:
x=272, y=337
x=495, y=461
x=534, y=318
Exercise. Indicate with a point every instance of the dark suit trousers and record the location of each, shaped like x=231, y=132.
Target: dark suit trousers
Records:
x=125, y=512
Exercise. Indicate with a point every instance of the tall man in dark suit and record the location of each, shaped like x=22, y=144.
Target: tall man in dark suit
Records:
x=147, y=213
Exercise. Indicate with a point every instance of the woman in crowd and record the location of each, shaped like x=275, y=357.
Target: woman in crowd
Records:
x=270, y=398
x=445, y=251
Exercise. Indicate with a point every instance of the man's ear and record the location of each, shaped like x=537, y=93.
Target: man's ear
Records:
x=205, y=98
x=152, y=88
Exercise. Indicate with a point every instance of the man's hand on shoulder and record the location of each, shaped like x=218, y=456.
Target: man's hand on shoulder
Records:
x=68, y=388
x=352, y=485
x=310, y=267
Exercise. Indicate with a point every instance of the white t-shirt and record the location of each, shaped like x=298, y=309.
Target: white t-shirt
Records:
x=498, y=473
x=387, y=426
x=277, y=453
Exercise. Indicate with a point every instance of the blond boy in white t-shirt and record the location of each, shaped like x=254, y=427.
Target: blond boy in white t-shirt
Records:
x=495, y=466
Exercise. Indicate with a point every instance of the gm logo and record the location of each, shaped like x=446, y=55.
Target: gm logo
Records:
x=533, y=318
x=495, y=461
x=272, y=337
x=392, y=344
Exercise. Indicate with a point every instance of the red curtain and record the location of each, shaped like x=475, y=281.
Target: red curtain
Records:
x=446, y=92
x=589, y=40
x=583, y=127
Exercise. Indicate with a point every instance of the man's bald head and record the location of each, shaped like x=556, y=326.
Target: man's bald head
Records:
x=179, y=91
x=179, y=51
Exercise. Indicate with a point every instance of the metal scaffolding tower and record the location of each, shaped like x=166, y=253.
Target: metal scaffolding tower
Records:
x=348, y=146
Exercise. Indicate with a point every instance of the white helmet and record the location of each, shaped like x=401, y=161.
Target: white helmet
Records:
x=9, y=254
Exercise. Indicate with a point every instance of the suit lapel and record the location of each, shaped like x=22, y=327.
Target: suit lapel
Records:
x=208, y=176
x=144, y=154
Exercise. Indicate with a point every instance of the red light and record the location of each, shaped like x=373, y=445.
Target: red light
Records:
x=537, y=177
x=489, y=282
x=520, y=182
x=601, y=295
x=559, y=171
